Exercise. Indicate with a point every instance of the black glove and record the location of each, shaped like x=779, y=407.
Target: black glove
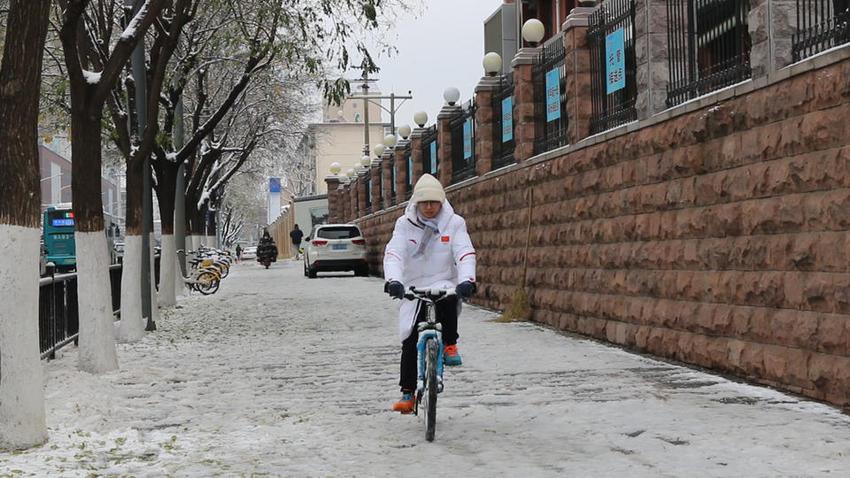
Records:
x=465, y=289
x=395, y=289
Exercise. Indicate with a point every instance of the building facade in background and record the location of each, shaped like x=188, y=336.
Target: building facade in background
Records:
x=338, y=138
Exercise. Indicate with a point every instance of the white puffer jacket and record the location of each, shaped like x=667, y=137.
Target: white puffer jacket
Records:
x=448, y=260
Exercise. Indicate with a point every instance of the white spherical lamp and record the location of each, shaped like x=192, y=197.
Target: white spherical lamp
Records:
x=379, y=150
x=335, y=168
x=492, y=63
x=451, y=95
x=404, y=132
x=365, y=161
x=390, y=140
x=533, y=31
x=420, y=118
x=351, y=172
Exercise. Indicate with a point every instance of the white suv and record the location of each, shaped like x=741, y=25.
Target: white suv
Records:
x=335, y=247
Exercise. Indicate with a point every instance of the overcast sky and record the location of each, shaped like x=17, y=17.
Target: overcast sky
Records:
x=443, y=47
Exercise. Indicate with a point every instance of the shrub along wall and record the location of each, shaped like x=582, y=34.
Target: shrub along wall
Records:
x=718, y=238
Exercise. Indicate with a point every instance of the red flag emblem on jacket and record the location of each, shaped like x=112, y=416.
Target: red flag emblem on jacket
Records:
x=444, y=239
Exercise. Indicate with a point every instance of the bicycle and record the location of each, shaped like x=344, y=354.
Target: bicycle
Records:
x=429, y=356
x=205, y=276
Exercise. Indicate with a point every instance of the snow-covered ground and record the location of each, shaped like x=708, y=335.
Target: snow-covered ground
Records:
x=279, y=375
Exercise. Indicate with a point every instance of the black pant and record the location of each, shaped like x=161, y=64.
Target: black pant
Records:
x=447, y=310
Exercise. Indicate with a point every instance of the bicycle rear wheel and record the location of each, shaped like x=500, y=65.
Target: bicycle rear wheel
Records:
x=431, y=391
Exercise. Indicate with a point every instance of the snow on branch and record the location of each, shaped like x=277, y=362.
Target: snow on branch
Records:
x=133, y=27
x=92, y=77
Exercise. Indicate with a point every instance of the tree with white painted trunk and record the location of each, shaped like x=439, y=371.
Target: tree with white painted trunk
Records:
x=22, y=414
x=95, y=54
x=240, y=62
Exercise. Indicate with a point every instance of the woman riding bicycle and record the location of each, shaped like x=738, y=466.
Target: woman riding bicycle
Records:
x=430, y=248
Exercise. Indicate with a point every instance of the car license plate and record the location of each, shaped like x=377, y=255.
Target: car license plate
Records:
x=340, y=247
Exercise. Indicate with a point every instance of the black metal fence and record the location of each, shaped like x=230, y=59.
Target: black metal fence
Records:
x=408, y=168
x=550, y=97
x=393, y=174
x=58, y=313
x=463, y=143
x=709, y=46
x=367, y=180
x=504, y=142
x=430, y=161
x=613, y=69
x=821, y=25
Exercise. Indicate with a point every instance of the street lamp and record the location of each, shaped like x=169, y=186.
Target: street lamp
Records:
x=451, y=95
x=492, y=63
x=365, y=161
x=351, y=173
x=389, y=141
x=420, y=118
x=378, y=150
x=533, y=31
x=404, y=132
x=335, y=168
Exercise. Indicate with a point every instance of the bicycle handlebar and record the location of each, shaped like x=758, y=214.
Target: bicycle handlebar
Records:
x=434, y=295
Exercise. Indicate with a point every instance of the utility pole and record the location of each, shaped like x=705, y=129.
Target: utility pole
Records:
x=393, y=109
x=180, y=194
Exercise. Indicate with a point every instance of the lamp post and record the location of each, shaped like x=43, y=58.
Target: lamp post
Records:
x=492, y=64
x=533, y=31
x=420, y=118
x=451, y=95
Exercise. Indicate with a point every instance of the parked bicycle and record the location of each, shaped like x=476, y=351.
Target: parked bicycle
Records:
x=208, y=267
x=429, y=349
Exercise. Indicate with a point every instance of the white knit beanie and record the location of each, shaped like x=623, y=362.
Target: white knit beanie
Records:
x=428, y=188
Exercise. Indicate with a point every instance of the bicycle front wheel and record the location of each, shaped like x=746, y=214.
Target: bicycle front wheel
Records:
x=431, y=390
x=207, y=283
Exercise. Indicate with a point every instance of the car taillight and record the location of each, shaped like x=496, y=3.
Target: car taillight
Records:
x=318, y=242
x=359, y=242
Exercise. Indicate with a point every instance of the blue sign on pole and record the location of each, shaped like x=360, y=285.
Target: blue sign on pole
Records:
x=508, y=119
x=553, y=95
x=433, y=157
x=467, y=139
x=274, y=185
x=410, y=169
x=615, y=65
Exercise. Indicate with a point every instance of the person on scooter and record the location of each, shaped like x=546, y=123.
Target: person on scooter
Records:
x=430, y=248
x=266, y=250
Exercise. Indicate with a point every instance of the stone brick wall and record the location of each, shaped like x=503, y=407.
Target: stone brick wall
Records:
x=718, y=238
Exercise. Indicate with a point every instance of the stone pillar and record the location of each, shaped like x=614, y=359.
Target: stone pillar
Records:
x=351, y=199
x=578, y=81
x=386, y=178
x=772, y=24
x=524, y=134
x=401, y=171
x=444, y=142
x=335, y=213
x=416, y=153
x=362, y=178
x=485, y=129
x=375, y=185
x=652, y=57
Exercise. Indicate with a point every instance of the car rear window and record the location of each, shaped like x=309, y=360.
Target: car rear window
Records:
x=338, y=232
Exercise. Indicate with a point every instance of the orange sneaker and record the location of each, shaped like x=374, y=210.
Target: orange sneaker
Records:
x=406, y=404
x=451, y=357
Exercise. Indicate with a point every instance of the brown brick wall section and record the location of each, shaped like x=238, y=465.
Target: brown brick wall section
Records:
x=416, y=154
x=718, y=238
x=524, y=109
x=401, y=174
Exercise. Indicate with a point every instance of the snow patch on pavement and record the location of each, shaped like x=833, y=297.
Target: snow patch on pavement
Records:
x=282, y=375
